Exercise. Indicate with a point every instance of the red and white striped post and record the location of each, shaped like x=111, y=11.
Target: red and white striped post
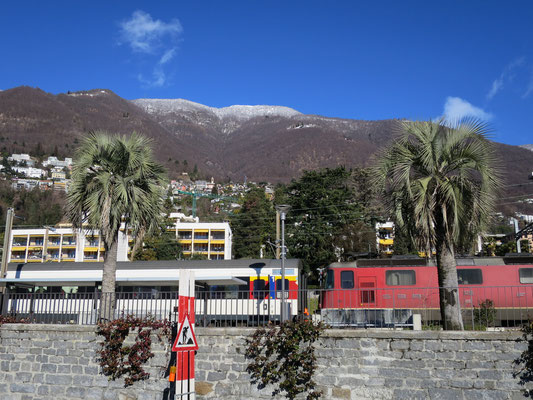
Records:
x=185, y=344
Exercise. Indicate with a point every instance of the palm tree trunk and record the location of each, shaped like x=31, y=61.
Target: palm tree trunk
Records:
x=107, y=304
x=450, y=307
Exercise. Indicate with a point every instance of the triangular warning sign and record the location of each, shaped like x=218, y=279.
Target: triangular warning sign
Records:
x=186, y=339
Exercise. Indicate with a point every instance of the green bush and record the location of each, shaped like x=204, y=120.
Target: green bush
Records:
x=485, y=314
x=284, y=356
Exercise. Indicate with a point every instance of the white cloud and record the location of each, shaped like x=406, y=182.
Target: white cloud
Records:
x=529, y=89
x=153, y=39
x=456, y=109
x=159, y=78
x=496, y=86
x=507, y=75
x=144, y=34
x=169, y=55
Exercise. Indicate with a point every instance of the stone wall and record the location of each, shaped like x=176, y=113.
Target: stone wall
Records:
x=58, y=362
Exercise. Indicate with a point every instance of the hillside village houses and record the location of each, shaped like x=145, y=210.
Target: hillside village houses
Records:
x=212, y=240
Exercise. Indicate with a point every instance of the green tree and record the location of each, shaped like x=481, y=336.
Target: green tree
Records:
x=323, y=204
x=115, y=182
x=160, y=247
x=253, y=225
x=440, y=183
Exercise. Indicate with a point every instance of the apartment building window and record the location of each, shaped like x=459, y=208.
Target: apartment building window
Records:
x=217, y=247
x=18, y=255
x=200, y=247
x=184, y=234
x=54, y=241
x=20, y=241
x=201, y=236
x=217, y=235
x=92, y=243
x=35, y=255
x=69, y=241
x=71, y=254
x=36, y=241
x=90, y=255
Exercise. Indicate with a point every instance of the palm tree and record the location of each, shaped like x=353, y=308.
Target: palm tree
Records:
x=440, y=180
x=115, y=183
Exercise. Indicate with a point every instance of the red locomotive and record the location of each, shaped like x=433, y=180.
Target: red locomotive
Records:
x=389, y=291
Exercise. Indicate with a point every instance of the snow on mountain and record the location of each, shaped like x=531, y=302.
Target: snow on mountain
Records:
x=167, y=106
x=527, y=146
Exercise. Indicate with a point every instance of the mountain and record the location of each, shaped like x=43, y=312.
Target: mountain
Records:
x=269, y=143
x=527, y=146
x=263, y=143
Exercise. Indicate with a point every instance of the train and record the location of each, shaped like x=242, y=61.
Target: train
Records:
x=385, y=292
x=388, y=292
x=236, y=292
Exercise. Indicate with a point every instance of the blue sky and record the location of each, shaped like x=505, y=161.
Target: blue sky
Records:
x=349, y=59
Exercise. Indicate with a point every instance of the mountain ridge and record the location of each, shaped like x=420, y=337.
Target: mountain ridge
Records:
x=262, y=143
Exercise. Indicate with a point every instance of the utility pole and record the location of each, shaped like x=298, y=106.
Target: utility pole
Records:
x=515, y=222
x=277, y=235
x=7, y=247
x=283, y=209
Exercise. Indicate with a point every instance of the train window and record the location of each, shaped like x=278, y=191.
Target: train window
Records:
x=347, y=280
x=259, y=288
x=278, y=284
x=330, y=279
x=471, y=276
x=526, y=275
x=405, y=277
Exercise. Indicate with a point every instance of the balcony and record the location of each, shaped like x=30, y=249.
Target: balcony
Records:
x=19, y=242
x=185, y=235
x=18, y=255
x=218, y=235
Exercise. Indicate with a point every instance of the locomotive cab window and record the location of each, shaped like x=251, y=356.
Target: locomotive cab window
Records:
x=405, y=277
x=526, y=275
x=330, y=279
x=469, y=276
x=347, y=280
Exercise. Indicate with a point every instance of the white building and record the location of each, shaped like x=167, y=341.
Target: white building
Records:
x=210, y=239
x=61, y=244
x=54, y=162
x=385, y=237
x=30, y=172
x=21, y=158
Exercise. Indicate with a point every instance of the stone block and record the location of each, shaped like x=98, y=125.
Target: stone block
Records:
x=399, y=344
x=22, y=377
x=203, y=388
x=38, y=378
x=341, y=393
x=486, y=395
x=416, y=345
x=445, y=394
x=43, y=390
x=22, y=388
x=490, y=374
x=56, y=379
x=408, y=394
x=52, y=368
x=216, y=376
x=76, y=392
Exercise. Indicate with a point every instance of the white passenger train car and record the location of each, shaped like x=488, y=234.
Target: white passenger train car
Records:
x=227, y=291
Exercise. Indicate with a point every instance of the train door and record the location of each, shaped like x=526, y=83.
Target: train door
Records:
x=367, y=291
